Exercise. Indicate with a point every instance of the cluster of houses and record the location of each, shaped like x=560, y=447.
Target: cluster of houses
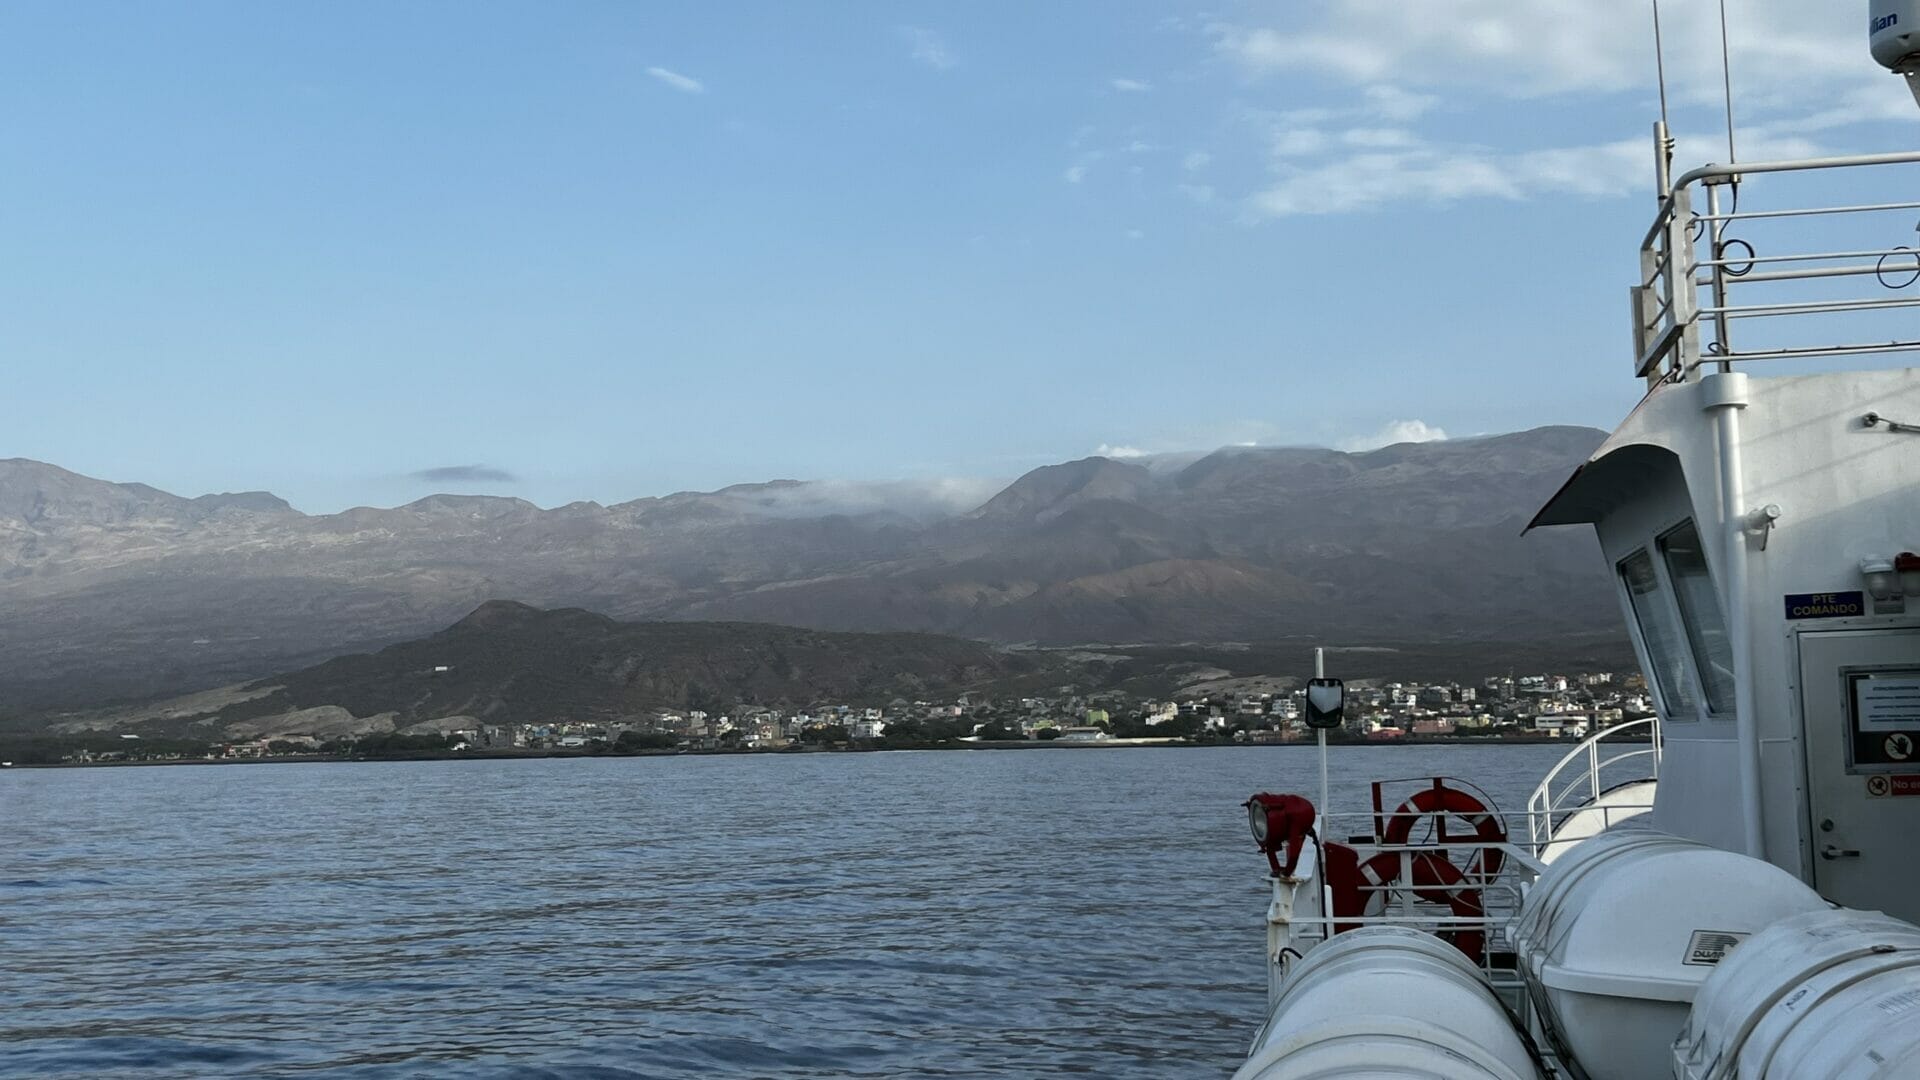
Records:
x=1505, y=706
x=1545, y=705
x=1538, y=705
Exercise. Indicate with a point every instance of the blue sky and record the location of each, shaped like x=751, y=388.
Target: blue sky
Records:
x=619, y=249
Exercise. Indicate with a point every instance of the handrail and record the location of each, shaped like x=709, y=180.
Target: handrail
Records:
x=1848, y=161
x=1545, y=804
x=1685, y=250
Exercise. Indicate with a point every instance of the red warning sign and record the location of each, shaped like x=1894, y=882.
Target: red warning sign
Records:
x=1881, y=786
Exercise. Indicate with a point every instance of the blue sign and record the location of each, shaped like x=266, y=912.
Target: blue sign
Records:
x=1826, y=605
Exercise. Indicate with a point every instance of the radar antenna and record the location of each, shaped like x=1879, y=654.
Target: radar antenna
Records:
x=1893, y=33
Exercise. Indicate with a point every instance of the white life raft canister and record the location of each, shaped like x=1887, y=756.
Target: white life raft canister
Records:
x=1619, y=933
x=1820, y=996
x=1388, y=1001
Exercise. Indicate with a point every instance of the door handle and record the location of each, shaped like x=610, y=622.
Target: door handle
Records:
x=1835, y=851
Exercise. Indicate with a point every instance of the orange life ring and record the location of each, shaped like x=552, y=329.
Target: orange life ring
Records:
x=1440, y=801
x=1354, y=883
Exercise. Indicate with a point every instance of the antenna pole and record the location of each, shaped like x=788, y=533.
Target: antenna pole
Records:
x=1662, y=159
x=1663, y=139
x=1726, y=81
x=1320, y=672
x=1660, y=65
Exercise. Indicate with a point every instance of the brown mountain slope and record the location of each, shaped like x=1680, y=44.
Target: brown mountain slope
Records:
x=120, y=590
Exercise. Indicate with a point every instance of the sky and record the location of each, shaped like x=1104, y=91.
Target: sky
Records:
x=355, y=253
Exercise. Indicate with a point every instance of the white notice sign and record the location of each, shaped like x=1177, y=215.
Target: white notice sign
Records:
x=1887, y=703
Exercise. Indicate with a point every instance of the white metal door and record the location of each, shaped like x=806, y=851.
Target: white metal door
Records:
x=1860, y=702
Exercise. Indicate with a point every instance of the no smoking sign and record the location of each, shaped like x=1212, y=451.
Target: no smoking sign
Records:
x=1882, y=786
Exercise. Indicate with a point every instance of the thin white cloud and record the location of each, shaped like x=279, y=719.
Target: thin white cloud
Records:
x=1424, y=176
x=1799, y=70
x=1074, y=174
x=1418, y=174
x=1393, y=433
x=1132, y=86
x=1298, y=142
x=1313, y=117
x=925, y=498
x=1379, y=138
x=1870, y=104
x=928, y=47
x=1240, y=434
x=1390, y=102
x=1554, y=46
x=1136, y=234
x=686, y=84
x=1200, y=193
x=1197, y=160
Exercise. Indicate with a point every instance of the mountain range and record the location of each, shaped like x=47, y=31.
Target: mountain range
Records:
x=122, y=591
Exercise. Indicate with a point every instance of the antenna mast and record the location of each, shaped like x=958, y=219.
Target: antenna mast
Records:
x=1726, y=81
x=1662, y=135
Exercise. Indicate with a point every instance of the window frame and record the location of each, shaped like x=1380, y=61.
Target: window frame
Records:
x=1725, y=710
x=1664, y=604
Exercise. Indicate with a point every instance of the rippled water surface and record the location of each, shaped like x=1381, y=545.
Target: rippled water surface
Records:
x=1052, y=912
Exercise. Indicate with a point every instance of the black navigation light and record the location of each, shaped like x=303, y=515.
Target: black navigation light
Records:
x=1326, y=703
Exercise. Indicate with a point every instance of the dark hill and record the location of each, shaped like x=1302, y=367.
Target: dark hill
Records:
x=511, y=663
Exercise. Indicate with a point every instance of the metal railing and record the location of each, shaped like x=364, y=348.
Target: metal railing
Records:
x=1301, y=913
x=1396, y=897
x=1747, y=279
x=1490, y=870
x=1564, y=792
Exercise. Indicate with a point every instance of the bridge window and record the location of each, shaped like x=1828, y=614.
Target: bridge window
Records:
x=1700, y=611
x=1661, y=636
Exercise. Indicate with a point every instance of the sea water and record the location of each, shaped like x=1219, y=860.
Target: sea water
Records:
x=993, y=913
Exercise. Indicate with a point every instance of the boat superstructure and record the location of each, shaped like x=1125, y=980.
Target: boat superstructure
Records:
x=1760, y=510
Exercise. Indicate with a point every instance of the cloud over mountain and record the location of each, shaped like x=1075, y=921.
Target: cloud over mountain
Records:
x=1393, y=433
x=464, y=474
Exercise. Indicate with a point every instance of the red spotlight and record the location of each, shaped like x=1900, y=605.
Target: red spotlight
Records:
x=1280, y=822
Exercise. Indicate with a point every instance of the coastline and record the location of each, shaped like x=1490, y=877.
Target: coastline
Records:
x=1025, y=744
